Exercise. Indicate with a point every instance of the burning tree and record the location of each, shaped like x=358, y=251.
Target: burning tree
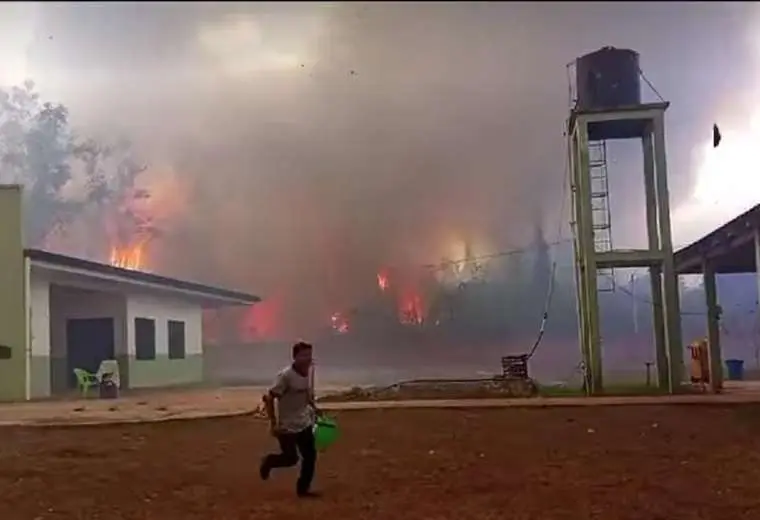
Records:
x=65, y=176
x=115, y=197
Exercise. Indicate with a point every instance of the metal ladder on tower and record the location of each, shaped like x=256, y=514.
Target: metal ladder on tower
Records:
x=600, y=210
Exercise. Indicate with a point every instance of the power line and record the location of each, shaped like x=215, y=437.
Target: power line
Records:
x=650, y=302
x=683, y=313
x=500, y=254
x=650, y=85
x=553, y=273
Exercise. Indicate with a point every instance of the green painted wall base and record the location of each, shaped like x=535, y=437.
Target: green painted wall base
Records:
x=59, y=375
x=13, y=286
x=12, y=379
x=50, y=375
x=165, y=372
x=40, y=374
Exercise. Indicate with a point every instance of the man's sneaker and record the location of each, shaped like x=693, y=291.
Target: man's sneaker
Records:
x=308, y=494
x=264, y=469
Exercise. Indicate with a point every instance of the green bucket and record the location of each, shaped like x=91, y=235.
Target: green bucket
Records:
x=325, y=433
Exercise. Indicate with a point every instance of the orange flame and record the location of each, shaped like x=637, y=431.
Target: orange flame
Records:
x=166, y=200
x=410, y=306
x=382, y=281
x=130, y=257
x=263, y=320
x=411, y=310
x=339, y=323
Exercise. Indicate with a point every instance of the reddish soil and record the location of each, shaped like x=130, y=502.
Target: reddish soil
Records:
x=635, y=462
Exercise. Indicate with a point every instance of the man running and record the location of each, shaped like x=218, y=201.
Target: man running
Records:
x=293, y=421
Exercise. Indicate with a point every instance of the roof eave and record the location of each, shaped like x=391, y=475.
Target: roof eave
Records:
x=722, y=241
x=205, y=294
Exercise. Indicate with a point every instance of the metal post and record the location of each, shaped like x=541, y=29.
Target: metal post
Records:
x=713, y=328
x=634, y=307
x=672, y=312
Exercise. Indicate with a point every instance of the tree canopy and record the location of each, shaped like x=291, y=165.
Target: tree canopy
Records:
x=64, y=174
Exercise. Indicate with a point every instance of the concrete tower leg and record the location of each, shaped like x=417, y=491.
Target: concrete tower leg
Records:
x=713, y=330
x=580, y=292
x=588, y=268
x=671, y=304
x=655, y=272
x=661, y=353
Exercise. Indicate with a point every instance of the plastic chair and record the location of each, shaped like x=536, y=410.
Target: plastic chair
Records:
x=109, y=369
x=85, y=381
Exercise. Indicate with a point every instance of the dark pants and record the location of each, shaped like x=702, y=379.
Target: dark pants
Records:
x=291, y=444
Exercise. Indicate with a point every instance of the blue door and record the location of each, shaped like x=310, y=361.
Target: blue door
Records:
x=89, y=342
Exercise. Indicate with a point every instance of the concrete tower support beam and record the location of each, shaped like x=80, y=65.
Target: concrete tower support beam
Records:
x=713, y=327
x=655, y=271
x=646, y=123
x=671, y=303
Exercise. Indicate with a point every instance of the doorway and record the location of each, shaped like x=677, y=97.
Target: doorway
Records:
x=89, y=342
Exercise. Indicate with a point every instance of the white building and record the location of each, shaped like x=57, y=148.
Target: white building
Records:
x=58, y=313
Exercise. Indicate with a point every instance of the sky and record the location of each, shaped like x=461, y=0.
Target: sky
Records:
x=317, y=141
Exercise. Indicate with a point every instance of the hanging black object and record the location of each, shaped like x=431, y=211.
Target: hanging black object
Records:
x=716, y=136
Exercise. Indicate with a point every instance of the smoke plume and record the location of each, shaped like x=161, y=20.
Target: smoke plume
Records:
x=317, y=144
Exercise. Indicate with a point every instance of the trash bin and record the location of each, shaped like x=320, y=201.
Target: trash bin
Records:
x=734, y=369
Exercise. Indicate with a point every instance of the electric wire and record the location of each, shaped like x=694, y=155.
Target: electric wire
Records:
x=499, y=254
x=653, y=304
x=650, y=85
x=553, y=271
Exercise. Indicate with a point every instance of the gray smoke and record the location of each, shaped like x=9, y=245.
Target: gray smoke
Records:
x=323, y=141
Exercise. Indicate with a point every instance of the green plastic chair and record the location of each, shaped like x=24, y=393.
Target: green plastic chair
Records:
x=85, y=381
x=325, y=433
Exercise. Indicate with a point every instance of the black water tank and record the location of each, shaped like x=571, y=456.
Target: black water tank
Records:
x=607, y=79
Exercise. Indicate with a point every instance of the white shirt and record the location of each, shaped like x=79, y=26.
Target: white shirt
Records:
x=294, y=397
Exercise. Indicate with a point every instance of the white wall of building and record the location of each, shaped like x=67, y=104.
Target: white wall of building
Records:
x=39, y=337
x=39, y=291
x=54, y=301
x=68, y=303
x=162, y=310
x=164, y=371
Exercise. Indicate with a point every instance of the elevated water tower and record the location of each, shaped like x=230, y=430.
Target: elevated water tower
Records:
x=608, y=106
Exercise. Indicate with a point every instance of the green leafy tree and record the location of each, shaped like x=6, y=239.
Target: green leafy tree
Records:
x=39, y=150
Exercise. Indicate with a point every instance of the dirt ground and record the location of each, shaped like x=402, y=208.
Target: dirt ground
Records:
x=636, y=462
